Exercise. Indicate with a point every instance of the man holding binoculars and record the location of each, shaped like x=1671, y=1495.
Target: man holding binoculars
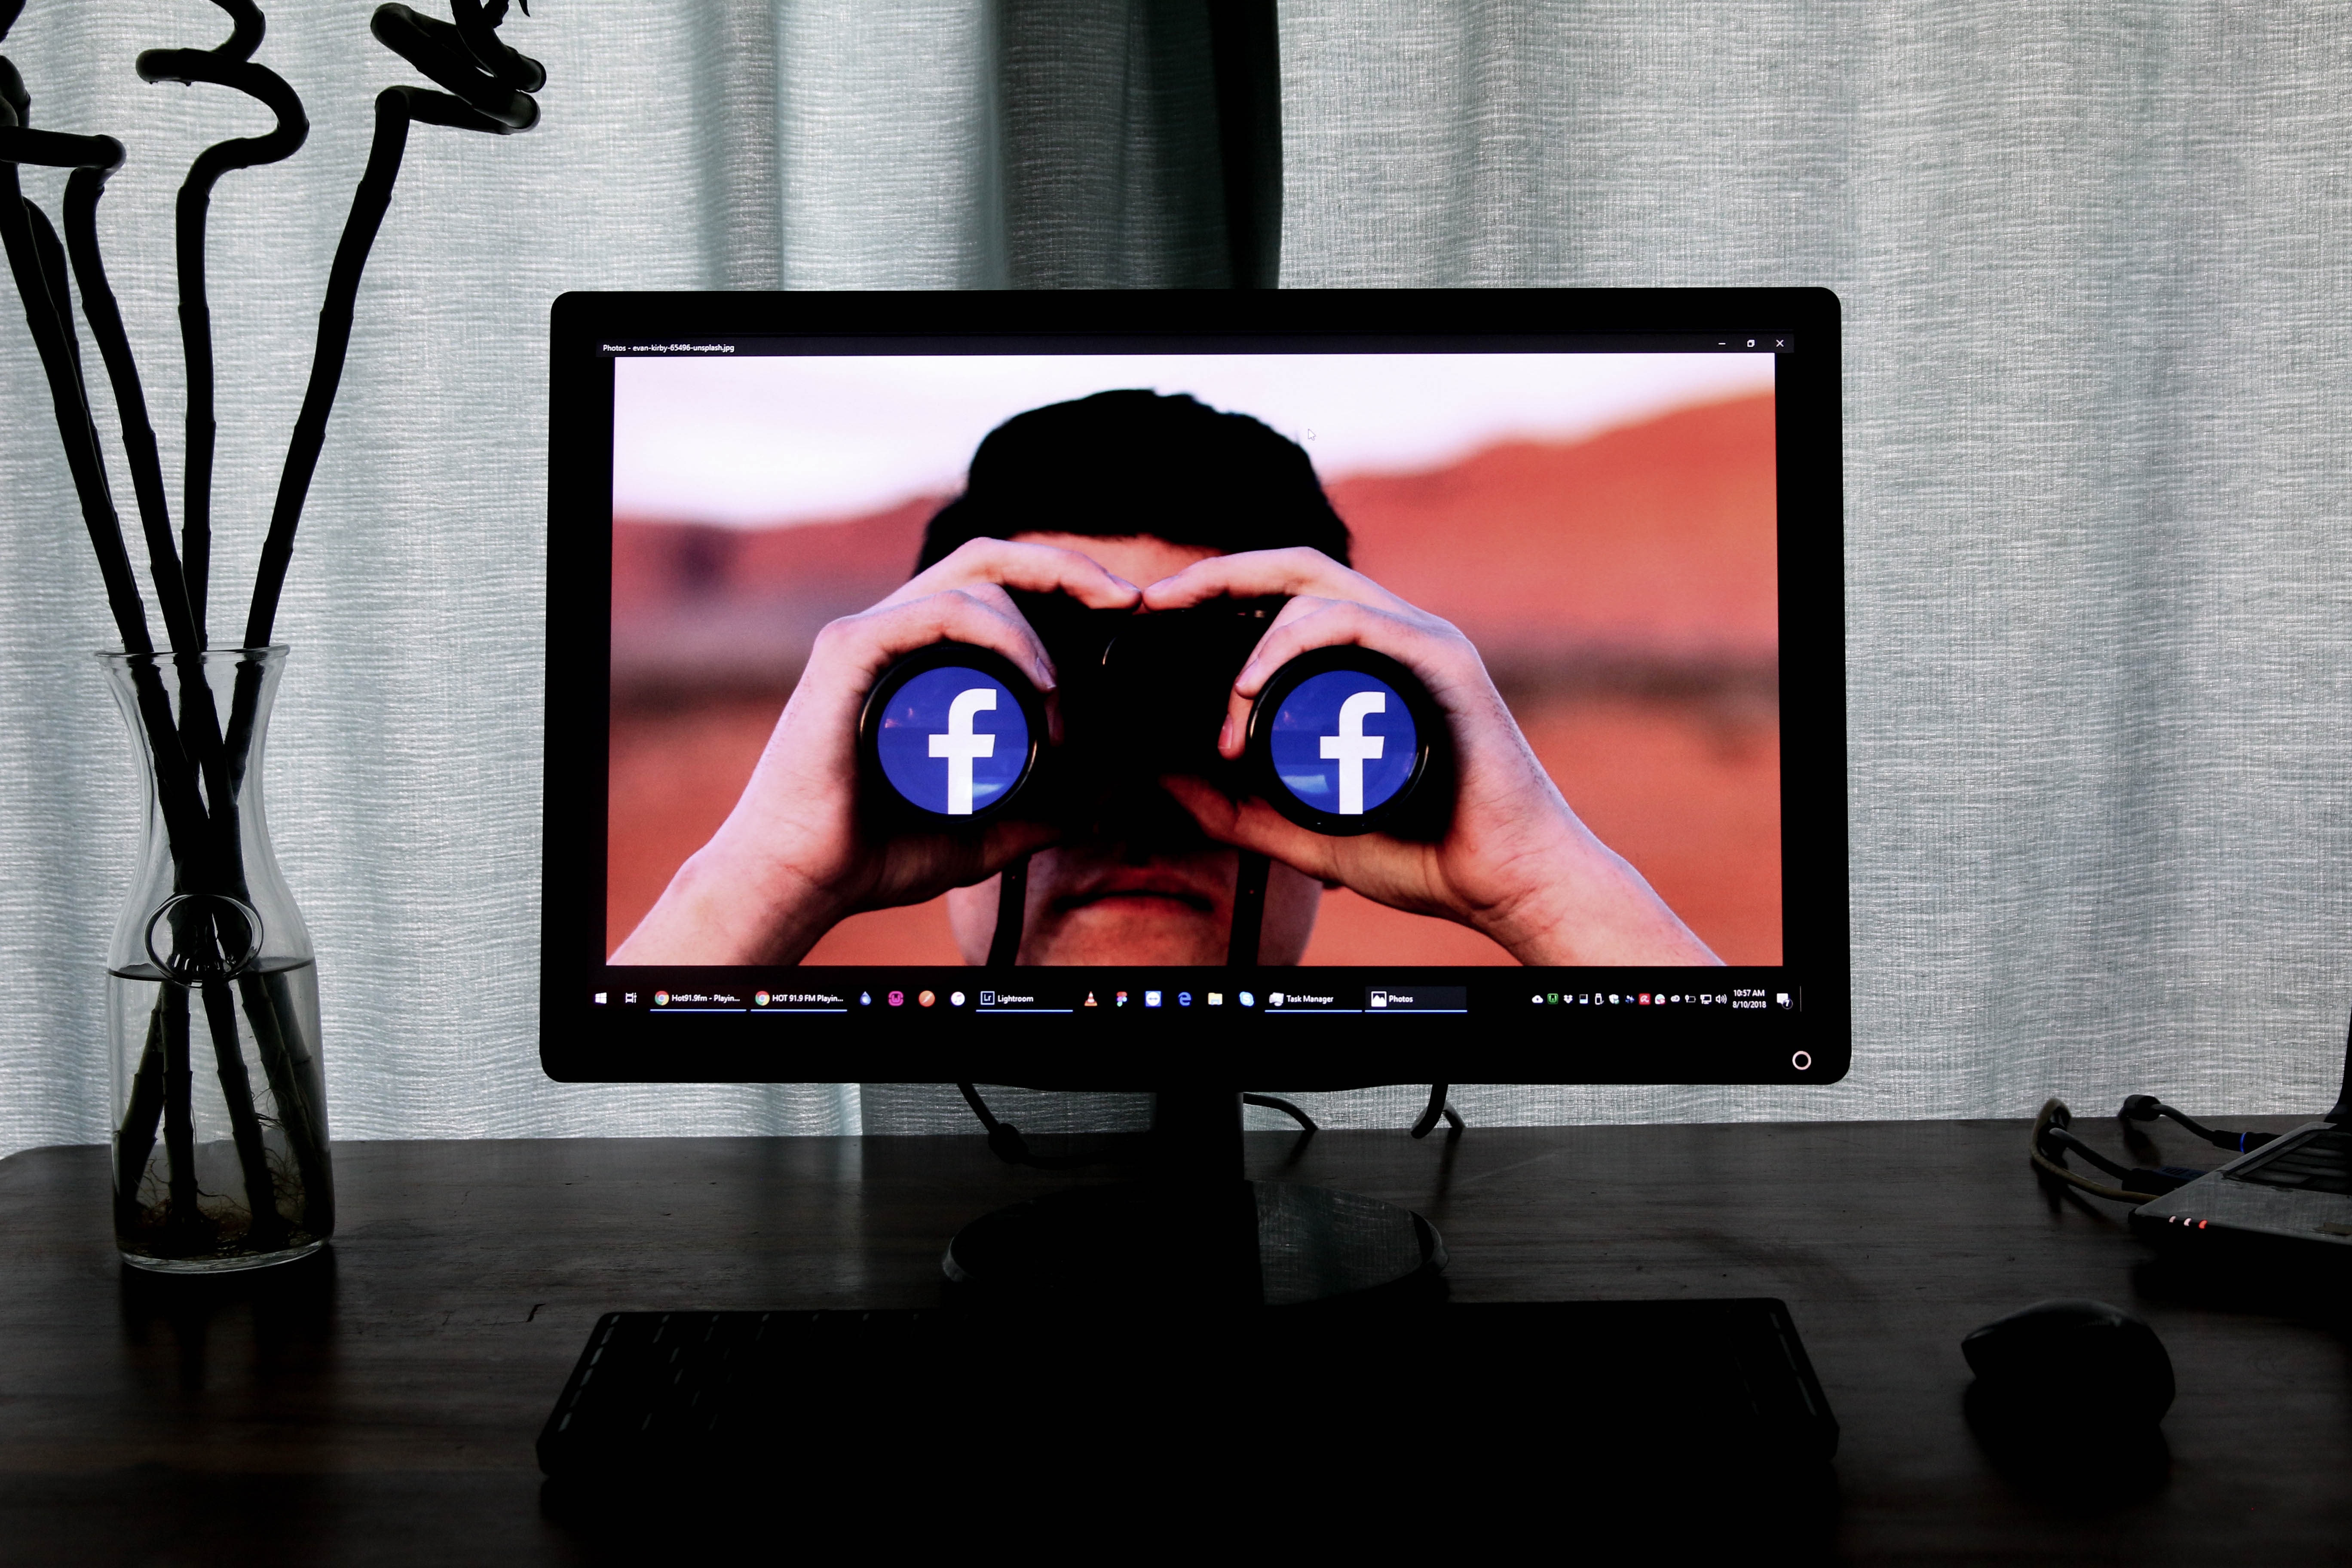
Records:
x=1124, y=553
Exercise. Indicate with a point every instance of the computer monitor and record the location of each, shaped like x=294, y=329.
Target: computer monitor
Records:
x=1356, y=688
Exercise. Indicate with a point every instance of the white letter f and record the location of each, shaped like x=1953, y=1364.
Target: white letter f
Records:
x=1351, y=748
x=960, y=745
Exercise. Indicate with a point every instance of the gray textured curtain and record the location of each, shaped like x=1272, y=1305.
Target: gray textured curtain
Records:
x=2094, y=266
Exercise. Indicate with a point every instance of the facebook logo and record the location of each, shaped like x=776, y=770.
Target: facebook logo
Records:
x=1343, y=742
x=953, y=742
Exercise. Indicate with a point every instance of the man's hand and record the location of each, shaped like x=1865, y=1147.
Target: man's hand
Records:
x=792, y=860
x=1516, y=863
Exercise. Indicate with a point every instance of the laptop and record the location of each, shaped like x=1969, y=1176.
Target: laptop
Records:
x=2297, y=1187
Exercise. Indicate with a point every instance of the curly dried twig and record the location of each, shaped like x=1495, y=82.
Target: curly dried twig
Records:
x=179, y=1116
x=492, y=84
x=467, y=57
x=82, y=192
x=229, y=65
x=134, y=1142
x=266, y=1227
x=202, y=856
x=35, y=259
x=488, y=90
x=203, y=851
x=38, y=263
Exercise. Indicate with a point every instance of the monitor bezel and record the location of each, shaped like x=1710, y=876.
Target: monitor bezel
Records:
x=581, y=1041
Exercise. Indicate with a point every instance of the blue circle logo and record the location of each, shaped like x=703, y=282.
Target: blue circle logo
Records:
x=1343, y=742
x=954, y=740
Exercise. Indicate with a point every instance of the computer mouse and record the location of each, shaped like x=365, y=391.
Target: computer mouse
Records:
x=2096, y=1358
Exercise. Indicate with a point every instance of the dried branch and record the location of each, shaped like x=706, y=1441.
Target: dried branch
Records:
x=39, y=272
x=229, y=65
x=198, y=771
x=488, y=81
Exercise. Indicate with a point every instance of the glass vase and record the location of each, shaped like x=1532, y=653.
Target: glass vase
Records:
x=221, y=1159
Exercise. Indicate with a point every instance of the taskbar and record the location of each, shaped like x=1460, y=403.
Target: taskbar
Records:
x=1111, y=1028
x=689, y=995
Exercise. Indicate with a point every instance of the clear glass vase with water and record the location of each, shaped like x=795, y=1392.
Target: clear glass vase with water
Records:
x=221, y=1157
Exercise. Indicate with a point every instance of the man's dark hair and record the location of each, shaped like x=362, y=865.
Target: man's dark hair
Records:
x=1122, y=463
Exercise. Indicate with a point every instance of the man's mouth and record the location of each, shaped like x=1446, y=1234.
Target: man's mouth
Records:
x=1160, y=891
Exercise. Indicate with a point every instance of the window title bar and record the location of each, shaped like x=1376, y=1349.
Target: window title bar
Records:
x=1741, y=341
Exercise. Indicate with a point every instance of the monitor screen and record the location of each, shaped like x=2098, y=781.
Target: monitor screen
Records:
x=1111, y=690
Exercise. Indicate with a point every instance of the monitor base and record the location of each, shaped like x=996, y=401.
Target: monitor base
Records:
x=1192, y=1244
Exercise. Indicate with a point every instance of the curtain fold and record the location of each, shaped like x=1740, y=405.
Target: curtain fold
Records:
x=2092, y=260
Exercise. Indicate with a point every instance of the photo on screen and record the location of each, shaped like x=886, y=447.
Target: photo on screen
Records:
x=1601, y=526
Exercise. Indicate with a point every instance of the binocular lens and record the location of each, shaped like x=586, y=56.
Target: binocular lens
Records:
x=952, y=731
x=1344, y=742
x=1341, y=741
x=1344, y=739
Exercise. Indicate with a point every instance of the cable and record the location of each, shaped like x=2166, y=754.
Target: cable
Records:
x=1005, y=1140
x=1012, y=906
x=1438, y=1107
x=2148, y=1108
x=1249, y=910
x=2051, y=1141
x=2056, y=1114
x=2059, y=1139
x=1272, y=1104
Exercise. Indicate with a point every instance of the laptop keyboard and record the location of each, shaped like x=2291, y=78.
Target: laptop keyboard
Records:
x=2320, y=1163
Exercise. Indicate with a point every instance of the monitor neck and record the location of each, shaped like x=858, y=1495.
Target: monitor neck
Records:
x=1196, y=1134
x=1194, y=1235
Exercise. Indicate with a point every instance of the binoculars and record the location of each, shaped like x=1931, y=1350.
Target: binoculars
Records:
x=1341, y=741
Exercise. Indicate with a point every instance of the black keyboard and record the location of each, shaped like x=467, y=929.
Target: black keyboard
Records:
x=2319, y=1163
x=1684, y=1384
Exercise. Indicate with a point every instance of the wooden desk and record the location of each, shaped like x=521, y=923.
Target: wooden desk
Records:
x=380, y=1405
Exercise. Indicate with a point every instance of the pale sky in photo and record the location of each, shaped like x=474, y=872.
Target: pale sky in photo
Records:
x=758, y=441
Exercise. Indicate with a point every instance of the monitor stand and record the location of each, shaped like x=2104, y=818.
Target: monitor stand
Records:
x=1193, y=1233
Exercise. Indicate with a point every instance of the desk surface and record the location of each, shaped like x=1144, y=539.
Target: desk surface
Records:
x=381, y=1406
